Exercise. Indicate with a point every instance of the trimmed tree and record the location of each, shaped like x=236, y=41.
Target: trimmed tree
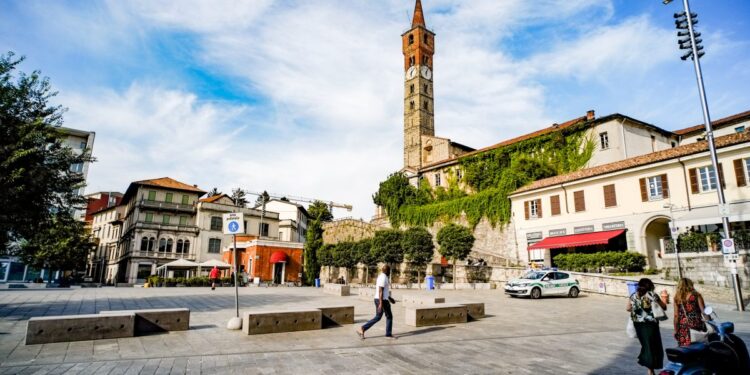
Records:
x=418, y=249
x=386, y=246
x=364, y=254
x=325, y=255
x=455, y=244
x=345, y=256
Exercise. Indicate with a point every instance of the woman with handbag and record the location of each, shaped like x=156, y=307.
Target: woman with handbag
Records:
x=646, y=310
x=688, y=313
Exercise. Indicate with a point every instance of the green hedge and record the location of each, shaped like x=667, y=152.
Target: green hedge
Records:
x=624, y=261
x=186, y=281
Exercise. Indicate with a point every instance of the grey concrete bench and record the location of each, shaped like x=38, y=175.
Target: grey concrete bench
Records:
x=421, y=316
x=336, y=289
x=48, y=329
x=416, y=299
x=337, y=315
x=474, y=309
x=158, y=320
x=258, y=322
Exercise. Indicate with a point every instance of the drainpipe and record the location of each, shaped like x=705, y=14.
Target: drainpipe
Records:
x=565, y=197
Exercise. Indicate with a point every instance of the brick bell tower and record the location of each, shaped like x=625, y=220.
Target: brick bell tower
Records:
x=418, y=45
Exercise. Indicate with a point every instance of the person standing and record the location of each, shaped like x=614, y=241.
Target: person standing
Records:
x=688, y=311
x=214, y=276
x=382, y=305
x=640, y=306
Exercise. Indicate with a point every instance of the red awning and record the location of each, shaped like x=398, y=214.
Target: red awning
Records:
x=278, y=257
x=574, y=240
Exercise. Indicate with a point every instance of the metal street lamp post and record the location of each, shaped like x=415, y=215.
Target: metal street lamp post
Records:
x=686, y=21
x=673, y=233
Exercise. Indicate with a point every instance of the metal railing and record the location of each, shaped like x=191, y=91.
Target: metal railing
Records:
x=172, y=227
x=741, y=242
x=161, y=255
x=145, y=203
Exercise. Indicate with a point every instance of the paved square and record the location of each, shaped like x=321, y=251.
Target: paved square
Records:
x=518, y=336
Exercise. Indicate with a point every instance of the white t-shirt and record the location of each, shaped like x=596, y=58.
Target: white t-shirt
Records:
x=383, y=282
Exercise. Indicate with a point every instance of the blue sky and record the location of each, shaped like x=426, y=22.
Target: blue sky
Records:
x=305, y=97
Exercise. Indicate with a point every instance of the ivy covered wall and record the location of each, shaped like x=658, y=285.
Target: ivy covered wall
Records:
x=489, y=177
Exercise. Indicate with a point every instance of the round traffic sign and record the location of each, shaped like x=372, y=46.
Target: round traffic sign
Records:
x=728, y=243
x=233, y=226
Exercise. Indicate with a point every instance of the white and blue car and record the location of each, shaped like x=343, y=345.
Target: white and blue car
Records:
x=538, y=283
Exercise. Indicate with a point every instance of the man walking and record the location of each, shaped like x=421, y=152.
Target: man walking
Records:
x=382, y=305
x=214, y=276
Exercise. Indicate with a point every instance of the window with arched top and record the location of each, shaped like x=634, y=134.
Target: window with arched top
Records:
x=151, y=243
x=411, y=39
x=169, y=245
x=412, y=60
x=144, y=244
x=411, y=104
x=186, y=246
x=411, y=89
x=426, y=39
x=179, y=246
x=426, y=88
x=426, y=105
x=162, y=245
x=425, y=60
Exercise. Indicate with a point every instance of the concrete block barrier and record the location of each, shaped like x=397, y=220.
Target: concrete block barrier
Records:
x=337, y=315
x=49, y=329
x=416, y=299
x=421, y=316
x=158, y=320
x=475, y=309
x=259, y=322
x=336, y=289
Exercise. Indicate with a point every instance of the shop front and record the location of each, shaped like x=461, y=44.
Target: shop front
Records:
x=543, y=253
x=273, y=262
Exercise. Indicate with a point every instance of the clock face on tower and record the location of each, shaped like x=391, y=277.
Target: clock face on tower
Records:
x=426, y=72
x=411, y=73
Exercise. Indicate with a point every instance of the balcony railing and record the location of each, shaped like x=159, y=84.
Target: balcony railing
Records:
x=170, y=227
x=162, y=255
x=164, y=206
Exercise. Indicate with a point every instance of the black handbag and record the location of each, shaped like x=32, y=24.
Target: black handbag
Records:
x=391, y=300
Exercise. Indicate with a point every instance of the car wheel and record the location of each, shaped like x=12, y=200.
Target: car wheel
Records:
x=536, y=293
x=573, y=292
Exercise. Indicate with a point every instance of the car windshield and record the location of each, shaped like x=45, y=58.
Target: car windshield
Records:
x=533, y=275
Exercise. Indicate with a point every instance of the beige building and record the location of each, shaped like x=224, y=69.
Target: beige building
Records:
x=106, y=228
x=159, y=226
x=293, y=219
x=629, y=204
x=211, y=239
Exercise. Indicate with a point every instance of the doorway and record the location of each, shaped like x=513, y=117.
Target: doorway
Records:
x=278, y=272
x=654, y=232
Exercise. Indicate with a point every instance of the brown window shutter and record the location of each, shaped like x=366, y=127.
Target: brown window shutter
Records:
x=526, y=209
x=664, y=186
x=539, y=208
x=610, y=197
x=739, y=172
x=644, y=192
x=580, y=204
x=554, y=204
x=693, y=181
x=721, y=176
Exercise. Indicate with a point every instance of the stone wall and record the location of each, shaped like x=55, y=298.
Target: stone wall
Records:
x=707, y=268
x=347, y=230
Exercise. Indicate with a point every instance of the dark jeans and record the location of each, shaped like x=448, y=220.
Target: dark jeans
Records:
x=378, y=315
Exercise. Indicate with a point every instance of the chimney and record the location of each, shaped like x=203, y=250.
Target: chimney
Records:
x=590, y=115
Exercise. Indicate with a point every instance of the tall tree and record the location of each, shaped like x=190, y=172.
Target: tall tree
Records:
x=263, y=198
x=61, y=244
x=418, y=249
x=319, y=214
x=238, y=197
x=36, y=180
x=213, y=192
x=455, y=243
x=396, y=191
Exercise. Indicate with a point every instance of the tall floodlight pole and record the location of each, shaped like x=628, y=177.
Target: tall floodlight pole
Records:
x=687, y=21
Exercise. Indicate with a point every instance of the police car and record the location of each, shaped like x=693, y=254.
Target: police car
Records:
x=537, y=283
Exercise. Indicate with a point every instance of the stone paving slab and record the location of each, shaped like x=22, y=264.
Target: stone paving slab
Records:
x=517, y=336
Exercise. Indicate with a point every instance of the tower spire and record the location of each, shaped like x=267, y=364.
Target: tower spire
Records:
x=418, y=19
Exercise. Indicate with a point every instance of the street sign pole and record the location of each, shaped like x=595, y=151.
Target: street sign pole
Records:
x=236, y=287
